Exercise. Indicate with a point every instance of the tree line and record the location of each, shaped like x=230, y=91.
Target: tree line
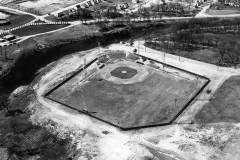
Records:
x=203, y=33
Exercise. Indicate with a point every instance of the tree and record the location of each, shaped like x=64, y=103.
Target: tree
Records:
x=4, y=102
x=146, y=13
x=85, y=14
x=224, y=49
x=235, y=55
x=103, y=7
x=4, y=53
x=97, y=14
x=127, y=18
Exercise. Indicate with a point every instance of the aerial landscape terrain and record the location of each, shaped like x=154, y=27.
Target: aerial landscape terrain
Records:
x=119, y=80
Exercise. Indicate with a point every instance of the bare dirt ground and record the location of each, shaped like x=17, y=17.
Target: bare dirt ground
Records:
x=213, y=141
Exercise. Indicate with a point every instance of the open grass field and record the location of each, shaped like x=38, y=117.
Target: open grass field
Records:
x=17, y=20
x=128, y=94
x=204, y=55
x=223, y=10
x=30, y=30
x=225, y=106
x=45, y=7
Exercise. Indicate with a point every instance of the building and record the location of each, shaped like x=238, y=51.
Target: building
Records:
x=135, y=1
x=4, y=21
x=90, y=3
x=122, y=6
x=9, y=37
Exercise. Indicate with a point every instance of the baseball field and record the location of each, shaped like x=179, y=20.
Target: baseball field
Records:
x=129, y=93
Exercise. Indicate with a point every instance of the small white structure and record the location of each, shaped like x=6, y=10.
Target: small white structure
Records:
x=122, y=6
x=2, y=40
x=90, y=3
x=9, y=37
x=3, y=21
x=135, y=1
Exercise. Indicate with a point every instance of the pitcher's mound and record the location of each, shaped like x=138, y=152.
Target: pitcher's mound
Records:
x=124, y=72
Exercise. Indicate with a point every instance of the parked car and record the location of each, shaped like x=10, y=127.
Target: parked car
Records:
x=2, y=40
x=9, y=37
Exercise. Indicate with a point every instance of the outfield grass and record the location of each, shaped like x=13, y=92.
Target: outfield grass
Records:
x=154, y=100
x=225, y=106
x=30, y=30
x=17, y=20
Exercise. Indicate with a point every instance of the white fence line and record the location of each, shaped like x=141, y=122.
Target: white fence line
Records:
x=32, y=24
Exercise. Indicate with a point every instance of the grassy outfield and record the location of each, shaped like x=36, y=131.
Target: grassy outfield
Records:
x=18, y=20
x=31, y=30
x=225, y=106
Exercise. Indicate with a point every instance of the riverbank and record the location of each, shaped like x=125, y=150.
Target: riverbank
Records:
x=37, y=52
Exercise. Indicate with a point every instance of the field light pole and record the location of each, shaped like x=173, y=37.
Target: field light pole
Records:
x=138, y=47
x=99, y=48
x=164, y=54
x=175, y=99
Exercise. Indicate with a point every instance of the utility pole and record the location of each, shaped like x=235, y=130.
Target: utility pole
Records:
x=177, y=7
x=169, y=42
x=84, y=67
x=175, y=99
x=138, y=47
x=145, y=45
x=99, y=48
x=164, y=54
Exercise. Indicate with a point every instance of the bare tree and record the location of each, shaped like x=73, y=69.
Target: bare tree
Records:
x=4, y=102
x=4, y=53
